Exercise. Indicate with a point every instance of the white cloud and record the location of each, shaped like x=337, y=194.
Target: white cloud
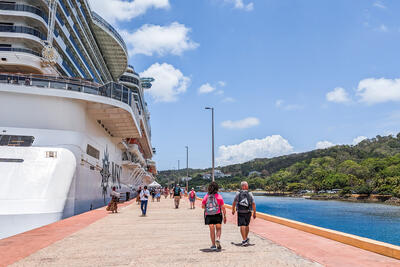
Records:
x=222, y=83
x=270, y=146
x=169, y=82
x=228, y=100
x=338, y=95
x=219, y=92
x=358, y=139
x=239, y=4
x=374, y=91
x=279, y=103
x=379, y=4
x=241, y=124
x=120, y=10
x=323, y=144
x=382, y=28
x=161, y=40
x=206, y=89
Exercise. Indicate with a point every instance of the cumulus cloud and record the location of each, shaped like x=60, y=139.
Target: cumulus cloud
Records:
x=323, y=144
x=122, y=10
x=338, y=95
x=206, y=88
x=358, y=139
x=374, y=91
x=270, y=146
x=160, y=40
x=241, y=124
x=169, y=82
x=239, y=4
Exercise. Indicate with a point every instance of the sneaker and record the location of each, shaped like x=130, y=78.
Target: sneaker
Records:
x=218, y=243
x=213, y=248
x=245, y=243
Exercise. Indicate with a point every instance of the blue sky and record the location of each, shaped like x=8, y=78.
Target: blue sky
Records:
x=284, y=76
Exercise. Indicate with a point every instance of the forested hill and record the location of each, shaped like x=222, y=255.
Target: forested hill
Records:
x=372, y=166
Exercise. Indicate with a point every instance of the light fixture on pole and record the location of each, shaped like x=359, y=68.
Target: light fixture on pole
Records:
x=212, y=136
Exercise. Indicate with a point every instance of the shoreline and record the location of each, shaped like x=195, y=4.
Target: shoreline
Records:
x=355, y=198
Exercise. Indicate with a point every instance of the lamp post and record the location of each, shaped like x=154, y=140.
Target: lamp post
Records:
x=187, y=168
x=212, y=129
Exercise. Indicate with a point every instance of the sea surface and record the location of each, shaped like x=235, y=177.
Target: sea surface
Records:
x=376, y=221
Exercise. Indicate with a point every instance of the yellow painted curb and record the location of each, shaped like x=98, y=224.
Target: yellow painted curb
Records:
x=379, y=247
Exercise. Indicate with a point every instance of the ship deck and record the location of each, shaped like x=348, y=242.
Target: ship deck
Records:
x=170, y=237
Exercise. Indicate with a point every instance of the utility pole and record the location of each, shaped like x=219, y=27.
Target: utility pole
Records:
x=212, y=136
x=187, y=169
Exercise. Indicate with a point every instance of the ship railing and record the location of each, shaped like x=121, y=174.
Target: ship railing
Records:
x=110, y=90
x=23, y=29
x=24, y=8
x=16, y=49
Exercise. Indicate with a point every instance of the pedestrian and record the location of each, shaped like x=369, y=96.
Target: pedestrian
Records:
x=214, y=213
x=171, y=192
x=138, y=195
x=113, y=205
x=177, y=195
x=153, y=194
x=192, y=198
x=144, y=197
x=166, y=192
x=245, y=204
x=158, y=194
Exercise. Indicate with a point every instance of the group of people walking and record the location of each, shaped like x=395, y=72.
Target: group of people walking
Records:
x=213, y=204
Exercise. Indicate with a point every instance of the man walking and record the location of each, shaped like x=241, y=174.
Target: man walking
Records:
x=245, y=205
x=177, y=195
x=144, y=197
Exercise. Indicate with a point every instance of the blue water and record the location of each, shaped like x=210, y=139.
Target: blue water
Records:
x=375, y=221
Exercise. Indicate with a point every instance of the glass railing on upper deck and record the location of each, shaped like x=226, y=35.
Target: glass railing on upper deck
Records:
x=22, y=29
x=111, y=90
x=110, y=28
x=22, y=50
x=24, y=8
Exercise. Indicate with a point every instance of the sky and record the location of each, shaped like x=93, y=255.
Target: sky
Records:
x=284, y=76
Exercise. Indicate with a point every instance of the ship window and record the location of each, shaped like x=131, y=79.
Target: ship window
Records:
x=5, y=45
x=91, y=151
x=16, y=140
x=7, y=160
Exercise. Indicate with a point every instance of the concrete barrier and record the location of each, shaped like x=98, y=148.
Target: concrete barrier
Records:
x=349, y=239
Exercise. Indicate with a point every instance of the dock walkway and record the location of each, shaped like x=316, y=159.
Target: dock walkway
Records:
x=170, y=237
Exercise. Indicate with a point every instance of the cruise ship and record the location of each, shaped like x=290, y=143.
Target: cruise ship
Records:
x=73, y=119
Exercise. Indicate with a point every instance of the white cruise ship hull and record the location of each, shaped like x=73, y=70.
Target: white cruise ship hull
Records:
x=55, y=178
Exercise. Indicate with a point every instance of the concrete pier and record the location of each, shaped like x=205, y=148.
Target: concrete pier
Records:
x=170, y=237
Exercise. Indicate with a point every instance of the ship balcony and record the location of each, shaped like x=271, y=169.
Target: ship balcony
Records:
x=110, y=105
x=8, y=31
x=112, y=46
x=28, y=11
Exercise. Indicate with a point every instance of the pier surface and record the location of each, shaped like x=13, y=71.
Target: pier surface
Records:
x=170, y=237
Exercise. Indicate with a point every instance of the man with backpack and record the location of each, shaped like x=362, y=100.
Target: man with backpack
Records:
x=245, y=205
x=177, y=195
x=192, y=198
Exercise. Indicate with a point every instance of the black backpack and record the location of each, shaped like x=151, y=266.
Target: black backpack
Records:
x=177, y=191
x=245, y=202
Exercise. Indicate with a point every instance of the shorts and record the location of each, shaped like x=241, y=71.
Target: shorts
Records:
x=192, y=199
x=213, y=219
x=244, y=219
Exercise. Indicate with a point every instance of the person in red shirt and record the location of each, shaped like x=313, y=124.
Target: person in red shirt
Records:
x=214, y=211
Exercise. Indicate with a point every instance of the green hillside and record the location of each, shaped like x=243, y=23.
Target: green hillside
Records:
x=372, y=166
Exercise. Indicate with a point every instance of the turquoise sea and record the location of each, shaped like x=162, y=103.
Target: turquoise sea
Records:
x=376, y=221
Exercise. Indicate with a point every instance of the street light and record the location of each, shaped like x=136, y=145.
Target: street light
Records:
x=212, y=129
x=187, y=167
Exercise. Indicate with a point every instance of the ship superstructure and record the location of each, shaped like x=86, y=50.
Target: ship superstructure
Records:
x=73, y=118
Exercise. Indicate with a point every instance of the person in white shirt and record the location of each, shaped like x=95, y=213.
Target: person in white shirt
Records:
x=113, y=205
x=144, y=197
